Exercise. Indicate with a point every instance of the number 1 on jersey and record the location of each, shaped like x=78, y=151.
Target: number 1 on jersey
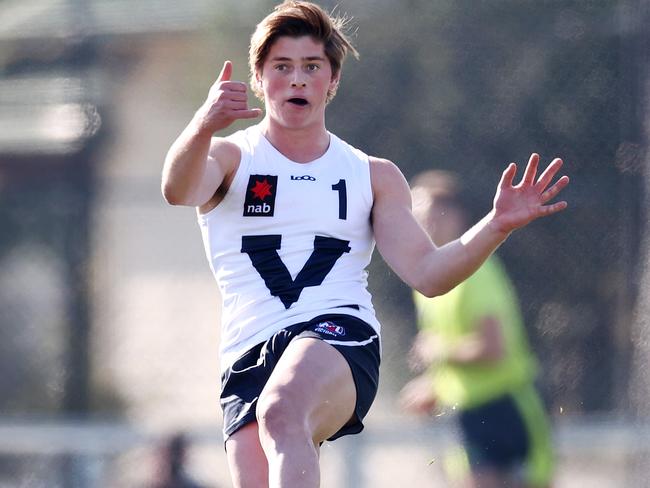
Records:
x=343, y=199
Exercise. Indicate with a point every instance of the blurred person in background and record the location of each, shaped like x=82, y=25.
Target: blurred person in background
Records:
x=473, y=349
x=171, y=470
x=289, y=215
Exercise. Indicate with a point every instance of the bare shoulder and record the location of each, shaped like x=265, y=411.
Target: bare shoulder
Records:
x=381, y=168
x=386, y=177
x=226, y=153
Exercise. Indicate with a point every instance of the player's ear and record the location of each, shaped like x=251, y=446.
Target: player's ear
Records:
x=334, y=82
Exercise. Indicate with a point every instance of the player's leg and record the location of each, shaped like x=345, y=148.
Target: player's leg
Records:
x=309, y=397
x=241, y=384
x=246, y=459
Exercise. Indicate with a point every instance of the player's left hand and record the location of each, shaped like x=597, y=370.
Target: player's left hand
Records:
x=517, y=205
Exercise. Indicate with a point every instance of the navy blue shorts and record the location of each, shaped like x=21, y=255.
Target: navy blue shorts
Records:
x=495, y=434
x=244, y=380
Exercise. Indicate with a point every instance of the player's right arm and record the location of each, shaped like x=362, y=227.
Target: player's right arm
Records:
x=196, y=165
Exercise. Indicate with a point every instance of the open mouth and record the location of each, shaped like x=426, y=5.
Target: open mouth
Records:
x=298, y=101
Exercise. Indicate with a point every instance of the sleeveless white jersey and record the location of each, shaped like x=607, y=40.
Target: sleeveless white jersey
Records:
x=289, y=241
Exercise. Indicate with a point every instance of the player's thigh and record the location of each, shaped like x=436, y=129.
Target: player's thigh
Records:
x=312, y=382
x=246, y=460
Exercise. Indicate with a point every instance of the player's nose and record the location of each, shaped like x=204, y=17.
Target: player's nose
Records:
x=298, y=81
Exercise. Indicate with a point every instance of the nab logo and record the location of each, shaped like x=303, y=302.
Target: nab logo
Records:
x=303, y=178
x=260, y=196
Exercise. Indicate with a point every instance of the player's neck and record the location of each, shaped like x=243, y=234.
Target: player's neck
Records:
x=301, y=145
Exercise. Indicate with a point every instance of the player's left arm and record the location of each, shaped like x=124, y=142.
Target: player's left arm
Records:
x=432, y=270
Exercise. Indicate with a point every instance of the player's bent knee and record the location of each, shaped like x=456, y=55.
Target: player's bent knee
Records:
x=278, y=418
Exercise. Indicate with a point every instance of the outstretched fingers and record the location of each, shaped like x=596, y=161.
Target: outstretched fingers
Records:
x=545, y=210
x=531, y=170
x=555, y=189
x=552, y=192
x=508, y=176
x=248, y=113
x=548, y=174
x=226, y=72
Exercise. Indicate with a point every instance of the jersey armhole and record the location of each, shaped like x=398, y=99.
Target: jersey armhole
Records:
x=368, y=193
x=240, y=139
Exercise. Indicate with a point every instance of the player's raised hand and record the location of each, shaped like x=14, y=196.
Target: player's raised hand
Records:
x=227, y=101
x=517, y=205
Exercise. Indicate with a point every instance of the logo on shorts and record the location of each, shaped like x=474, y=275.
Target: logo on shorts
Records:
x=330, y=328
x=260, y=196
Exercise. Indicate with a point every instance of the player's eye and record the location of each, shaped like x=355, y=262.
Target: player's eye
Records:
x=313, y=67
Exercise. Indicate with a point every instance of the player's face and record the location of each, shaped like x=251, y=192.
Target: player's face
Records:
x=296, y=77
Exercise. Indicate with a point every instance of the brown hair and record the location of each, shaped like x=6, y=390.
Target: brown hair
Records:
x=295, y=19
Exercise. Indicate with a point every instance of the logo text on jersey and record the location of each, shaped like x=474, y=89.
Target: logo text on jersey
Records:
x=303, y=178
x=260, y=196
x=330, y=328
